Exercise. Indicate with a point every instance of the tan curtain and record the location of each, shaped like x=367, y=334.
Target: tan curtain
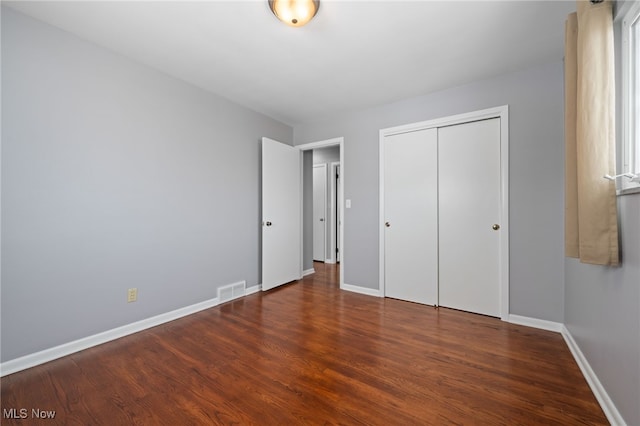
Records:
x=591, y=218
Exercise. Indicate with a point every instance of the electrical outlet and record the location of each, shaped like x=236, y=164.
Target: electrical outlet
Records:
x=132, y=295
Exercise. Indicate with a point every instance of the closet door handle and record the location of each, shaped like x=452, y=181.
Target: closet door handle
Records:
x=387, y=224
x=495, y=227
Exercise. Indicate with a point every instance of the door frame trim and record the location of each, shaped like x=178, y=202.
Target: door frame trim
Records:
x=501, y=112
x=339, y=141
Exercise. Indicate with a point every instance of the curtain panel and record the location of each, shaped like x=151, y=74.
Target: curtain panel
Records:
x=591, y=217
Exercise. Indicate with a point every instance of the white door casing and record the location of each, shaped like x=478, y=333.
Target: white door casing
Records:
x=411, y=216
x=319, y=212
x=469, y=209
x=281, y=214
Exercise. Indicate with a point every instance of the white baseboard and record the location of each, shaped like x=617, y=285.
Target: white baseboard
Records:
x=536, y=323
x=37, y=358
x=330, y=261
x=609, y=408
x=308, y=272
x=256, y=288
x=361, y=290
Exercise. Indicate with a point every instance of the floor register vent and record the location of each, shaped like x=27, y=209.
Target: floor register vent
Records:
x=231, y=291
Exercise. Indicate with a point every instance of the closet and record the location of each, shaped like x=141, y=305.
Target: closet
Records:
x=444, y=215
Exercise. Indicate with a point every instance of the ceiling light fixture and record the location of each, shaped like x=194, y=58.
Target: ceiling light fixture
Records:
x=294, y=12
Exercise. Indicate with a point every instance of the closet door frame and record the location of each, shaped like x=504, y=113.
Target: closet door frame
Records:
x=501, y=112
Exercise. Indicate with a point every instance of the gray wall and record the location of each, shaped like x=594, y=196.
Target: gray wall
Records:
x=115, y=175
x=535, y=98
x=602, y=312
x=602, y=305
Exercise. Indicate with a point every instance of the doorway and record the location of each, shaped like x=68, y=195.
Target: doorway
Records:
x=335, y=225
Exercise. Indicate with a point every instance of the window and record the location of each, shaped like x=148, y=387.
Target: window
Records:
x=631, y=96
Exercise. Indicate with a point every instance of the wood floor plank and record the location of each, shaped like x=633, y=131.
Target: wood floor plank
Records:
x=310, y=353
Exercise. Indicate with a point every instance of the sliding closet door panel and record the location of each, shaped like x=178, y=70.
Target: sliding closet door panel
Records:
x=469, y=206
x=411, y=216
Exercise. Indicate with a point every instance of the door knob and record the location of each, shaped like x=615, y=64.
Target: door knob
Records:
x=321, y=220
x=495, y=227
x=268, y=223
x=387, y=224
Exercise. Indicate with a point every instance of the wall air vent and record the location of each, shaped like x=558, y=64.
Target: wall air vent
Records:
x=231, y=291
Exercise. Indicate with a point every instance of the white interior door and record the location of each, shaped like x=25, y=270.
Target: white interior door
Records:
x=281, y=214
x=469, y=210
x=319, y=212
x=411, y=216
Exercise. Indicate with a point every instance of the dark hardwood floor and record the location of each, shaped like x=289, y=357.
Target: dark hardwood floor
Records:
x=309, y=353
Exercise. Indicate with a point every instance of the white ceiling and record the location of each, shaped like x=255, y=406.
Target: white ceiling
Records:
x=353, y=55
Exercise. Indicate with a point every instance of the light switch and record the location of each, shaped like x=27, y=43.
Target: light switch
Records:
x=347, y=204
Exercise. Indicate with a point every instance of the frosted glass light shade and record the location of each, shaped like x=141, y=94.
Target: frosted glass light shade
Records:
x=295, y=13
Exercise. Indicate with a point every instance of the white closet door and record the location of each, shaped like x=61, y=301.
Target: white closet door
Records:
x=469, y=206
x=411, y=216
